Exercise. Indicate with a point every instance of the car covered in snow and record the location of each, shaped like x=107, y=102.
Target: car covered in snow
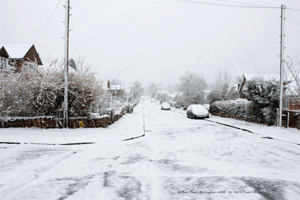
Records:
x=152, y=100
x=165, y=106
x=129, y=108
x=197, y=111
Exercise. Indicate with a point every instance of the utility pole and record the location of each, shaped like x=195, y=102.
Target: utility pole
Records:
x=66, y=55
x=282, y=35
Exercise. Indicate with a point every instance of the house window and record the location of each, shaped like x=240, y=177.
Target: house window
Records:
x=3, y=63
x=28, y=66
x=293, y=101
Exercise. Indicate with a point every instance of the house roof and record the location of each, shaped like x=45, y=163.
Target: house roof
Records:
x=17, y=51
x=116, y=87
x=104, y=85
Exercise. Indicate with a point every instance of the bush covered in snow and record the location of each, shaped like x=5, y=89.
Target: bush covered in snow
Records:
x=42, y=92
x=263, y=101
x=265, y=97
x=239, y=107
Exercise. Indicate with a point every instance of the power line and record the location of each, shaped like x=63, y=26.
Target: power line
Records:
x=243, y=3
x=293, y=17
x=47, y=22
x=226, y=5
x=293, y=9
x=157, y=33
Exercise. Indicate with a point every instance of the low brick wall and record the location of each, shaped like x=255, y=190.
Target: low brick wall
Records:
x=52, y=122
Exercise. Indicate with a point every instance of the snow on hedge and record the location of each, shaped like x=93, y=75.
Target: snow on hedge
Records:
x=238, y=107
x=29, y=94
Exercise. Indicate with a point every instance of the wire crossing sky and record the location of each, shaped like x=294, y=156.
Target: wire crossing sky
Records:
x=158, y=40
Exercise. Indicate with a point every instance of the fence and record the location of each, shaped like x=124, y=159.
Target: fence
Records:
x=290, y=118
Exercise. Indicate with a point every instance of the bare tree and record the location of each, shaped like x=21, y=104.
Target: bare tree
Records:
x=137, y=90
x=222, y=87
x=192, y=87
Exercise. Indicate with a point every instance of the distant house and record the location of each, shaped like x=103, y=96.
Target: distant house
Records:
x=4, y=58
x=290, y=102
x=117, y=90
x=113, y=90
x=19, y=58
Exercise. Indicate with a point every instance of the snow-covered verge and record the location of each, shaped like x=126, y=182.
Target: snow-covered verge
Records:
x=290, y=135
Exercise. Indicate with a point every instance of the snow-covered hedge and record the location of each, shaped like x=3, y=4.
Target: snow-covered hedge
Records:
x=265, y=97
x=239, y=108
x=42, y=92
x=264, y=100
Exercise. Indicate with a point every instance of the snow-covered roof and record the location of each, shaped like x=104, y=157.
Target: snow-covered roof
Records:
x=116, y=87
x=17, y=50
x=104, y=85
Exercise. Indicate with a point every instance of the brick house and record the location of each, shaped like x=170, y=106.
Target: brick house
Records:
x=113, y=90
x=294, y=103
x=19, y=58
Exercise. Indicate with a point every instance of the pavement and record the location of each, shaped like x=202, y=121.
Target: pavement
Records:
x=290, y=135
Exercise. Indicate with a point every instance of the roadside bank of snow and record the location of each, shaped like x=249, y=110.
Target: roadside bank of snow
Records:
x=129, y=126
x=289, y=135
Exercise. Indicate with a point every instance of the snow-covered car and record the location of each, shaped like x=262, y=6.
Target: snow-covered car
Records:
x=197, y=111
x=165, y=106
x=129, y=108
x=152, y=100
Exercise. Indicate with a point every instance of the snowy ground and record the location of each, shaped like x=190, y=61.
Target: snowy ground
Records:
x=179, y=158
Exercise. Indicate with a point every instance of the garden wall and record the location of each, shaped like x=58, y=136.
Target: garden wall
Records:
x=52, y=122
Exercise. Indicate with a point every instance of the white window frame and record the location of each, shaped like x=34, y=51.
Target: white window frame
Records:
x=28, y=66
x=3, y=63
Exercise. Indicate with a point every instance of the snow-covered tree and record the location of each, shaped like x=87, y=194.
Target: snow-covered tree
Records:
x=42, y=92
x=192, y=88
x=265, y=97
x=222, y=87
x=137, y=90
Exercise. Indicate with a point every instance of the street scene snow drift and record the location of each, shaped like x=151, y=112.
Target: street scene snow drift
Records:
x=178, y=158
x=150, y=100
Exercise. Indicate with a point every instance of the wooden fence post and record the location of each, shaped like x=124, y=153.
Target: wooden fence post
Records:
x=277, y=120
x=288, y=119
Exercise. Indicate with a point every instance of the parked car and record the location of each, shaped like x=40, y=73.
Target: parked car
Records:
x=165, y=106
x=197, y=111
x=152, y=100
x=129, y=108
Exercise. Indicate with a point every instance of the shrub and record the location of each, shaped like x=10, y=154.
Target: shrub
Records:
x=238, y=107
x=42, y=92
x=265, y=97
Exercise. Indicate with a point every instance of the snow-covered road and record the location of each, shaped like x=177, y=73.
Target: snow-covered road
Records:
x=179, y=158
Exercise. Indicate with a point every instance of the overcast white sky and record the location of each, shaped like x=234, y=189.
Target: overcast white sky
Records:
x=156, y=40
